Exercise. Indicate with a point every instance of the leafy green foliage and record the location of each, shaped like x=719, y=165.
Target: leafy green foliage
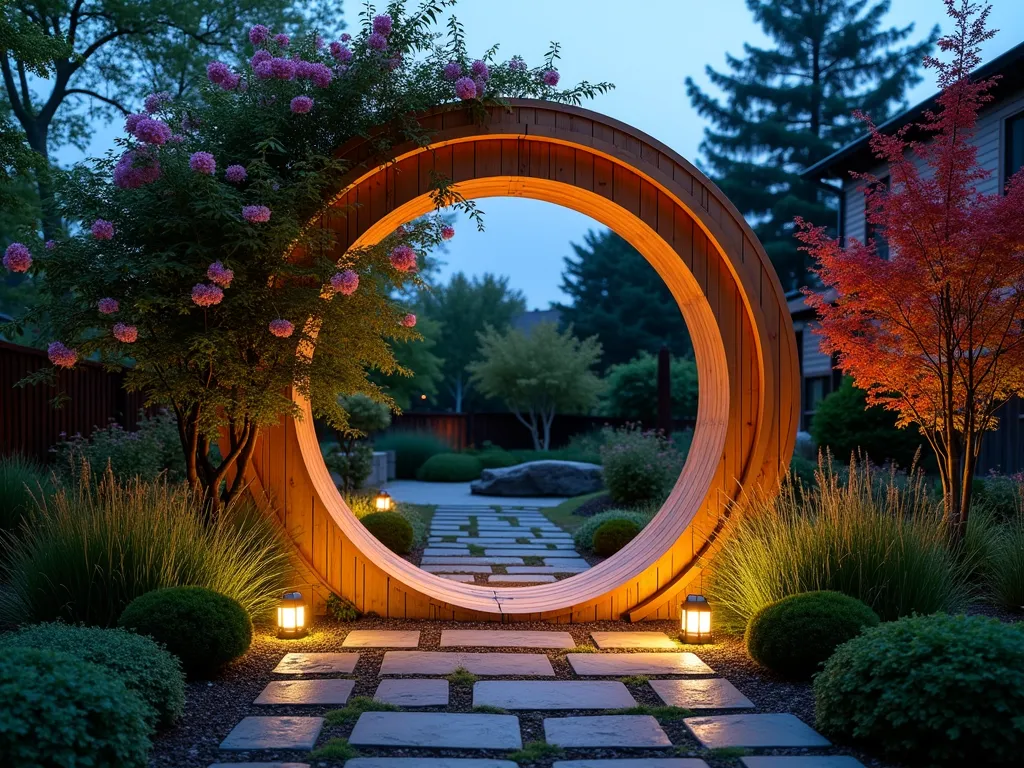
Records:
x=613, y=535
x=411, y=449
x=450, y=468
x=91, y=551
x=488, y=709
x=203, y=628
x=1005, y=563
x=419, y=369
x=335, y=749
x=845, y=426
x=538, y=374
x=631, y=388
x=1003, y=496
x=493, y=457
x=363, y=505
x=61, y=711
x=640, y=467
x=353, y=466
x=144, y=667
x=942, y=690
x=462, y=677
x=618, y=297
x=583, y=538
x=355, y=707
x=798, y=633
x=534, y=751
x=881, y=542
x=392, y=530
x=21, y=480
x=341, y=609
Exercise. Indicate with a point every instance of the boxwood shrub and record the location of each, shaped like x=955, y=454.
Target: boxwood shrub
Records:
x=392, y=530
x=583, y=538
x=450, y=468
x=61, y=711
x=139, y=662
x=493, y=458
x=796, y=634
x=203, y=628
x=940, y=690
x=613, y=535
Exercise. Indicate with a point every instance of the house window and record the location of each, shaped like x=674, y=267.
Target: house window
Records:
x=874, y=231
x=1013, y=152
x=815, y=390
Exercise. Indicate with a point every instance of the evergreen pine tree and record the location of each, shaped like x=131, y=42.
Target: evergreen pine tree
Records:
x=789, y=106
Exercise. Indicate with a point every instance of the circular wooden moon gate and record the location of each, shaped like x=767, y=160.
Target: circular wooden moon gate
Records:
x=726, y=289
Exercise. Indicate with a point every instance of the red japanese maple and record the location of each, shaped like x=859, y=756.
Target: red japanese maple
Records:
x=936, y=332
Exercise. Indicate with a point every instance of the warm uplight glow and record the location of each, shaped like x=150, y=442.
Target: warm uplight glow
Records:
x=383, y=502
x=423, y=397
x=291, y=616
x=695, y=620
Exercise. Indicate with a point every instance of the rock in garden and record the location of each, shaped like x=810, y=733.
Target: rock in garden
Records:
x=540, y=478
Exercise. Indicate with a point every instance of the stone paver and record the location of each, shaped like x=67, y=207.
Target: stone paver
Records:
x=632, y=640
x=701, y=693
x=381, y=638
x=605, y=731
x=538, y=569
x=445, y=662
x=413, y=693
x=446, y=552
x=436, y=729
x=637, y=664
x=563, y=561
x=491, y=551
x=306, y=692
x=457, y=568
x=520, y=579
x=505, y=638
x=258, y=765
x=801, y=761
x=427, y=762
x=466, y=578
x=317, y=663
x=472, y=561
x=545, y=694
x=274, y=733
x=749, y=730
x=634, y=762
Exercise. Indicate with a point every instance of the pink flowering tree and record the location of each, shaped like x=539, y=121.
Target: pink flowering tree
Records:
x=184, y=267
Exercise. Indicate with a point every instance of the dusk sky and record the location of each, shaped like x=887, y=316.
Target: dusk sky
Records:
x=647, y=48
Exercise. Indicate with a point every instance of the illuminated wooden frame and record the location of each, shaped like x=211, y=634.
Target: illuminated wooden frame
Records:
x=727, y=291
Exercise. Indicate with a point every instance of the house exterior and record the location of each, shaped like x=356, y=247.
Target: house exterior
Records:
x=1000, y=138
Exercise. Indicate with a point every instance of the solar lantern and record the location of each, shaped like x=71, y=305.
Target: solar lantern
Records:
x=291, y=616
x=695, y=620
x=383, y=502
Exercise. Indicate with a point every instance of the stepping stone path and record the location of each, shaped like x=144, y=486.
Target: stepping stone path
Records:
x=680, y=679
x=507, y=535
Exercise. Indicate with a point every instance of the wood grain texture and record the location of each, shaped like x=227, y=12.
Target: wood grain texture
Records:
x=725, y=287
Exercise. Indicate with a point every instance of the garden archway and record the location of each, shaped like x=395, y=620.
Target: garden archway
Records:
x=726, y=289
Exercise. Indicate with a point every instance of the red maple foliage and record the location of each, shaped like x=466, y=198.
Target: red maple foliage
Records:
x=936, y=331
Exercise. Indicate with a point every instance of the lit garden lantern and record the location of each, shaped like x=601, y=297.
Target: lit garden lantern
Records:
x=383, y=502
x=695, y=620
x=291, y=616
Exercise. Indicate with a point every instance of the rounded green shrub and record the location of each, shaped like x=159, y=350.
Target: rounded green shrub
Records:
x=450, y=468
x=392, y=530
x=411, y=450
x=56, y=710
x=494, y=458
x=796, y=634
x=613, y=535
x=203, y=628
x=938, y=690
x=583, y=538
x=139, y=662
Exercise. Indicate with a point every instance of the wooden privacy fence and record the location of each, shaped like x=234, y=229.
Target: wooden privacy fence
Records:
x=29, y=422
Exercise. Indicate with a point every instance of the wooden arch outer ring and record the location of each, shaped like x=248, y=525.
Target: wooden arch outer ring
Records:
x=726, y=288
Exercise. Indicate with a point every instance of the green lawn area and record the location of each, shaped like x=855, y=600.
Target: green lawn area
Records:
x=563, y=516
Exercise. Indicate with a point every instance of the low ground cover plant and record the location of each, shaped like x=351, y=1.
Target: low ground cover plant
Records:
x=613, y=535
x=363, y=505
x=392, y=530
x=450, y=468
x=583, y=538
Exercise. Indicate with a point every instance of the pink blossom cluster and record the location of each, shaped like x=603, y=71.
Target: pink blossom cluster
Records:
x=132, y=122
x=61, y=356
x=345, y=282
x=377, y=41
x=155, y=101
x=219, y=274
x=318, y=74
x=447, y=232
x=108, y=306
x=204, y=295
x=259, y=57
x=452, y=70
x=465, y=88
x=403, y=258
x=549, y=77
x=218, y=73
x=102, y=229
x=203, y=162
x=281, y=328
x=152, y=131
x=17, y=258
x=341, y=53
x=50, y=245
x=517, y=64
x=301, y=105
x=393, y=62
x=282, y=40
x=409, y=321
x=383, y=24
x=125, y=333
x=256, y=214
x=136, y=168
x=236, y=174
x=258, y=34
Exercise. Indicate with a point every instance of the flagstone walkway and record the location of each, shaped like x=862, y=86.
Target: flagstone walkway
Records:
x=593, y=719
x=507, y=546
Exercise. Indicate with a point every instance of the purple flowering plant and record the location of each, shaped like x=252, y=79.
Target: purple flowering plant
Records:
x=208, y=352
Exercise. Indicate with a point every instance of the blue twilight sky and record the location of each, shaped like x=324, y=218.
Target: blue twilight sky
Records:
x=647, y=48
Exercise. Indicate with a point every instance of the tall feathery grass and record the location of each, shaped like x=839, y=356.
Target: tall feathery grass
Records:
x=878, y=539
x=90, y=550
x=21, y=479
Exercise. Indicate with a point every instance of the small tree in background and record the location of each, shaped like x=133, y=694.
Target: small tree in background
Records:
x=937, y=332
x=538, y=375
x=354, y=460
x=631, y=389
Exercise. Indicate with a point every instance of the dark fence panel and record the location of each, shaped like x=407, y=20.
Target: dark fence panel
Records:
x=1003, y=450
x=31, y=425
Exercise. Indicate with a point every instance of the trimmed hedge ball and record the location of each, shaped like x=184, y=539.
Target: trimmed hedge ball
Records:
x=203, y=628
x=494, y=458
x=795, y=635
x=613, y=535
x=56, y=710
x=936, y=690
x=139, y=662
x=450, y=468
x=392, y=530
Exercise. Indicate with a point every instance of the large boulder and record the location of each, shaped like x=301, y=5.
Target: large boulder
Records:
x=540, y=478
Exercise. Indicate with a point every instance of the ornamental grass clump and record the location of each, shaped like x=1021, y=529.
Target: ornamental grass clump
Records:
x=91, y=550
x=21, y=480
x=883, y=543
